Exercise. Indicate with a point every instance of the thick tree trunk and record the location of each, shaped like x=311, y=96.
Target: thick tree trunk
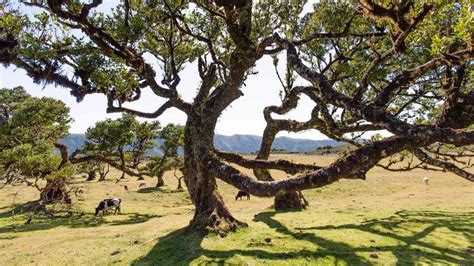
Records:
x=55, y=191
x=180, y=187
x=91, y=176
x=286, y=202
x=289, y=201
x=160, y=182
x=210, y=214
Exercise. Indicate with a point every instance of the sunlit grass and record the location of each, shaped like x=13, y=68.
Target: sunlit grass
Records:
x=391, y=218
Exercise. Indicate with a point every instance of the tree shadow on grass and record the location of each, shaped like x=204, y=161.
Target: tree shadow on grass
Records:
x=147, y=190
x=7, y=237
x=177, y=248
x=159, y=189
x=73, y=221
x=414, y=246
x=182, y=247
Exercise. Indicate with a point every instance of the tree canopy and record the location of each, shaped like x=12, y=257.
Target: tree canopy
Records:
x=125, y=140
x=173, y=139
x=404, y=67
x=29, y=134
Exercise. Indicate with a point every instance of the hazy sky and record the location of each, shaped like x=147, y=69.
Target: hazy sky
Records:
x=244, y=116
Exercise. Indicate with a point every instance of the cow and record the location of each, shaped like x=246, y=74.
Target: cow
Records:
x=241, y=194
x=106, y=204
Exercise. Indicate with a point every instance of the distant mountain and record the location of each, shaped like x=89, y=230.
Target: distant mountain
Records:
x=251, y=143
x=74, y=141
x=234, y=143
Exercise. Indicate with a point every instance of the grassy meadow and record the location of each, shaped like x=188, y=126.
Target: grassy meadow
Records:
x=390, y=218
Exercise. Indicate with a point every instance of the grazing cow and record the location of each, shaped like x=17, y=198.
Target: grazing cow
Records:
x=125, y=187
x=241, y=194
x=106, y=204
x=142, y=185
x=426, y=180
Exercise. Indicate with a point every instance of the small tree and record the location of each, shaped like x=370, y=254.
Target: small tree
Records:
x=89, y=168
x=110, y=138
x=28, y=141
x=124, y=140
x=92, y=167
x=178, y=165
x=103, y=169
x=173, y=138
x=145, y=135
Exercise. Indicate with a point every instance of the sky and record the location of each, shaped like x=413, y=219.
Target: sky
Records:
x=244, y=116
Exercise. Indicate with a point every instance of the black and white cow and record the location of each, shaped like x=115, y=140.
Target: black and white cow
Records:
x=107, y=204
x=241, y=194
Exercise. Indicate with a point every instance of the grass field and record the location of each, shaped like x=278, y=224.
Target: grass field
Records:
x=391, y=218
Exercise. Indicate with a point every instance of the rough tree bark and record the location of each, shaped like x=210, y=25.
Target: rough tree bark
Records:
x=285, y=202
x=55, y=191
x=210, y=213
x=159, y=179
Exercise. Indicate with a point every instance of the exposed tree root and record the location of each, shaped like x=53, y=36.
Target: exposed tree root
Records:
x=55, y=191
x=216, y=219
x=290, y=201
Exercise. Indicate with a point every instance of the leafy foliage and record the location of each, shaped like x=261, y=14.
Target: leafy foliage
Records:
x=173, y=138
x=29, y=135
x=124, y=139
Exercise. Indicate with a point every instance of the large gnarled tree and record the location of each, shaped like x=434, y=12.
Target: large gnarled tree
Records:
x=404, y=67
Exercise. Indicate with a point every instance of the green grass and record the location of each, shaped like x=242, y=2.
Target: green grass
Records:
x=404, y=238
x=390, y=218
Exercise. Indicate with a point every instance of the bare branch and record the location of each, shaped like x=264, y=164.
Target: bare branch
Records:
x=443, y=164
x=120, y=109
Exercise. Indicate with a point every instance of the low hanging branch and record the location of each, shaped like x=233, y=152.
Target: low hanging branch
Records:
x=113, y=109
x=352, y=166
x=283, y=165
x=113, y=163
x=424, y=157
